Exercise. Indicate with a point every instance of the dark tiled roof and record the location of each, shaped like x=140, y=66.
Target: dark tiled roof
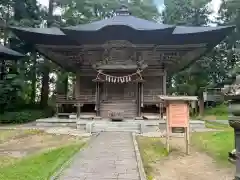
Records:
x=6, y=53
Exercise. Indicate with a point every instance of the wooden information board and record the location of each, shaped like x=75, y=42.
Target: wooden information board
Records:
x=177, y=117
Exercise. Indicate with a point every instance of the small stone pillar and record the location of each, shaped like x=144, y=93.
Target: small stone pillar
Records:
x=232, y=94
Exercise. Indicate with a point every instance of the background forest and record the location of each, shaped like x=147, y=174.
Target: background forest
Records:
x=28, y=86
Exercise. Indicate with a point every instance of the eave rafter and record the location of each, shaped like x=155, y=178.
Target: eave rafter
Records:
x=187, y=59
x=172, y=57
x=58, y=59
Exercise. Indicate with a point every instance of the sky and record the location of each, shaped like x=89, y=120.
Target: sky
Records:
x=214, y=5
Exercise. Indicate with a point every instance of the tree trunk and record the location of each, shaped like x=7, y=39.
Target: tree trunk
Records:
x=65, y=83
x=45, y=85
x=5, y=37
x=62, y=83
x=45, y=78
x=34, y=78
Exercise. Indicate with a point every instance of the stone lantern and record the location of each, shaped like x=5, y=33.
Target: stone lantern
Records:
x=232, y=94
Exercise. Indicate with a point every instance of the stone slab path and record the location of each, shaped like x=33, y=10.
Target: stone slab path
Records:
x=111, y=156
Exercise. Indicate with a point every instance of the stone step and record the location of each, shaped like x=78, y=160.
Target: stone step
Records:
x=116, y=126
x=116, y=129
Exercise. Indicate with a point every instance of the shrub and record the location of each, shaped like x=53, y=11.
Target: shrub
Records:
x=24, y=116
x=219, y=110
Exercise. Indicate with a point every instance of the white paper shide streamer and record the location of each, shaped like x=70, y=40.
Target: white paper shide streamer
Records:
x=119, y=79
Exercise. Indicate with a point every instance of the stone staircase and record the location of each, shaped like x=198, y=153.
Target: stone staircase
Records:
x=128, y=107
x=109, y=126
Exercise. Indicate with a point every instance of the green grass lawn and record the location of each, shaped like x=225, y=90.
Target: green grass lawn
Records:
x=40, y=166
x=216, y=125
x=220, y=112
x=151, y=150
x=216, y=144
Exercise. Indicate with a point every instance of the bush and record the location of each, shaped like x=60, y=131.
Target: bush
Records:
x=219, y=110
x=24, y=116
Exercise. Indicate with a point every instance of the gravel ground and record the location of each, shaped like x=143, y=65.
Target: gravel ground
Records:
x=196, y=166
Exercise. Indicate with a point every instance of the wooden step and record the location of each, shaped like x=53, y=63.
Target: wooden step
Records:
x=129, y=108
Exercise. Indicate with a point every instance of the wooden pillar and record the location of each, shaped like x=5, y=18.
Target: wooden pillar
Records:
x=97, y=98
x=164, y=92
x=77, y=94
x=77, y=86
x=57, y=110
x=139, y=98
x=78, y=110
x=164, y=82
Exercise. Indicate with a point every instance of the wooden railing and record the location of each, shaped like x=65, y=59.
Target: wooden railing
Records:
x=63, y=99
x=150, y=98
x=86, y=98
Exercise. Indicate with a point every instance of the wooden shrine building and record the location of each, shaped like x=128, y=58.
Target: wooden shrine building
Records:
x=121, y=63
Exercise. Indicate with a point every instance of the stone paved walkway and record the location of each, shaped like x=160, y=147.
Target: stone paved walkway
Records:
x=110, y=156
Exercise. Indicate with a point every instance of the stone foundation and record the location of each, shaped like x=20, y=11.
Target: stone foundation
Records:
x=92, y=126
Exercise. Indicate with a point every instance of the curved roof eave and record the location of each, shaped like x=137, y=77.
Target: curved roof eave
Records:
x=47, y=31
x=129, y=21
x=47, y=36
x=202, y=29
x=166, y=34
x=192, y=35
x=6, y=53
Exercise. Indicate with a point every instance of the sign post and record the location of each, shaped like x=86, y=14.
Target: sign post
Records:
x=178, y=117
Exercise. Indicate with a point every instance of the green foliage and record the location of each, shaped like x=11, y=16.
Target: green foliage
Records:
x=188, y=12
x=215, y=68
x=24, y=116
x=79, y=12
x=220, y=110
x=10, y=91
x=194, y=13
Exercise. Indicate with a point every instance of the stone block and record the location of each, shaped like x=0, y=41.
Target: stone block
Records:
x=97, y=118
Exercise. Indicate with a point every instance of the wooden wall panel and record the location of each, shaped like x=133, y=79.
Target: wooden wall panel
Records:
x=152, y=87
x=87, y=86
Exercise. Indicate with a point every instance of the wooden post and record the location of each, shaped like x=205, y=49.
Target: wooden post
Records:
x=164, y=82
x=167, y=132
x=97, y=99
x=57, y=106
x=187, y=140
x=138, y=99
x=77, y=86
x=78, y=110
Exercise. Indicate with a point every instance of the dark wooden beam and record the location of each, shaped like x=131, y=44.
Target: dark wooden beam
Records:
x=140, y=46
